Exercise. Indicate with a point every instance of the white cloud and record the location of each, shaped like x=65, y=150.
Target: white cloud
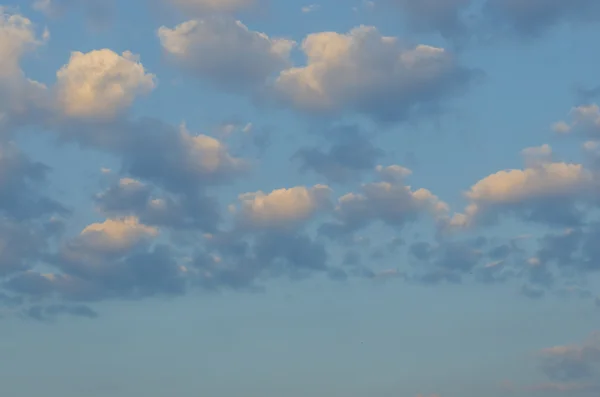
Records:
x=544, y=189
x=115, y=235
x=225, y=51
x=366, y=72
x=101, y=83
x=205, y=155
x=282, y=207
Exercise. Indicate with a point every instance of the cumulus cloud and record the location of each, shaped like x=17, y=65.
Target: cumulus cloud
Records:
x=17, y=37
x=101, y=83
x=282, y=207
x=20, y=98
x=393, y=203
x=546, y=192
x=395, y=81
x=585, y=120
x=225, y=51
x=114, y=235
x=130, y=197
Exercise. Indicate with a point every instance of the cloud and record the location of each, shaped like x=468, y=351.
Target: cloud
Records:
x=20, y=183
x=99, y=12
x=101, y=84
x=547, y=192
x=533, y=17
x=89, y=276
x=393, y=203
x=130, y=197
x=572, y=362
x=349, y=154
x=585, y=120
x=23, y=244
x=395, y=81
x=113, y=236
x=20, y=97
x=443, y=16
x=225, y=52
x=282, y=207
x=220, y=6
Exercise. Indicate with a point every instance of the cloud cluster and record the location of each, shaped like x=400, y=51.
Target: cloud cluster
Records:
x=162, y=229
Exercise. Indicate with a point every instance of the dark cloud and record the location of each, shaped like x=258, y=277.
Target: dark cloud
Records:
x=151, y=207
x=460, y=19
x=533, y=17
x=349, y=154
x=21, y=180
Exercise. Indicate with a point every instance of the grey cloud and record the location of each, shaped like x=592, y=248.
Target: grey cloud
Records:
x=234, y=260
x=225, y=52
x=170, y=157
x=176, y=211
x=532, y=17
x=572, y=362
x=23, y=244
x=451, y=261
x=138, y=274
x=350, y=153
x=457, y=19
x=21, y=180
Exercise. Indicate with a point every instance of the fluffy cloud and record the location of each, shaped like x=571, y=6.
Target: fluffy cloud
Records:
x=98, y=11
x=20, y=98
x=224, y=51
x=101, y=83
x=130, y=197
x=393, y=203
x=572, y=362
x=17, y=37
x=20, y=180
x=395, y=81
x=585, y=119
x=114, y=235
x=524, y=17
x=282, y=207
x=545, y=192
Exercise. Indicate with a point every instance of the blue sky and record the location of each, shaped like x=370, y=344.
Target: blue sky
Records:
x=254, y=198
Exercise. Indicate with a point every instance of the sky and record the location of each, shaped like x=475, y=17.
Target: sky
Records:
x=262, y=198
